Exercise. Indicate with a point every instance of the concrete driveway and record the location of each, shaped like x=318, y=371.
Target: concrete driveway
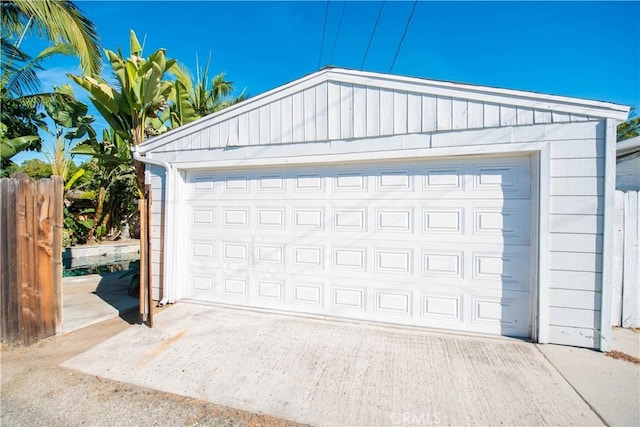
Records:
x=325, y=372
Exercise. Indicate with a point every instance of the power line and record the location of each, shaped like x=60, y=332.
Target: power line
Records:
x=406, y=27
x=372, y=34
x=335, y=42
x=324, y=29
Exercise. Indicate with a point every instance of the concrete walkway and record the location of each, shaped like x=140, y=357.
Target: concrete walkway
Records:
x=610, y=386
x=324, y=372
x=94, y=298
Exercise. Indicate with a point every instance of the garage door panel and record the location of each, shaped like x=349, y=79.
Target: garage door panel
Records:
x=480, y=179
x=393, y=302
x=442, y=243
x=442, y=307
x=501, y=312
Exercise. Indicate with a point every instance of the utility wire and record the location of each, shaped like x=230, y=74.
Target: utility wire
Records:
x=406, y=27
x=335, y=42
x=324, y=29
x=375, y=27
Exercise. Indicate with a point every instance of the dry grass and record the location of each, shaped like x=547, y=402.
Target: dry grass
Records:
x=623, y=356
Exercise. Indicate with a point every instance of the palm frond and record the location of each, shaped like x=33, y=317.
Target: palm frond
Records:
x=46, y=100
x=182, y=73
x=59, y=21
x=25, y=79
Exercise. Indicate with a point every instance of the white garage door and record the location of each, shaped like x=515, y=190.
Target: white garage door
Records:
x=443, y=244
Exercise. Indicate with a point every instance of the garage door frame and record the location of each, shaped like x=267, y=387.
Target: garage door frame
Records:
x=540, y=164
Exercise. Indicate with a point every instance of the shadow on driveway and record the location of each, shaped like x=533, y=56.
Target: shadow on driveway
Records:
x=96, y=297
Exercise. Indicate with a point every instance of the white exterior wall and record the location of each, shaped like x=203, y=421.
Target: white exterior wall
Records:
x=575, y=204
x=349, y=116
x=576, y=209
x=156, y=177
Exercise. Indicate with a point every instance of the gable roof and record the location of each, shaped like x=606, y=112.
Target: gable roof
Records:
x=338, y=104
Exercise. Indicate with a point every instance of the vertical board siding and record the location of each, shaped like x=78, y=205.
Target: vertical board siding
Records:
x=475, y=118
x=359, y=112
x=399, y=113
x=333, y=110
x=286, y=117
x=224, y=133
x=244, y=137
x=214, y=136
x=525, y=116
x=386, y=112
x=508, y=116
x=322, y=112
x=274, y=124
x=459, y=113
x=414, y=113
x=309, y=113
x=233, y=131
x=337, y=110
x=491, y=115
x=265, y=124
x=346, y=111
x=298, y=116
x=429, y=116
x=560, y=117
x=254, y=127
x=443, y=113
x=373, y=111
x=541, y=116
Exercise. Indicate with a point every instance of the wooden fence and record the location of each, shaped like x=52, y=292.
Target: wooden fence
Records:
x=30, y=258
x=626, y=280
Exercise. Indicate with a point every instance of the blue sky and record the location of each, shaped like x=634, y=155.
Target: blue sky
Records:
x=580, y=49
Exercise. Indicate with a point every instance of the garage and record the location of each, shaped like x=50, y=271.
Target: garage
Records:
x=395, y=200
x=441, y=244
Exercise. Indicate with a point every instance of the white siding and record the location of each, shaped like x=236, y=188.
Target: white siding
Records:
x=361, y=117
x=575, y=242
x=156, y=177
x=339, y=111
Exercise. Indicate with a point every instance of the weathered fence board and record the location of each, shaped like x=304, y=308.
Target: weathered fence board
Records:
x=618, y=249
x=30, y=264
x=631, y=281
x=626, y=289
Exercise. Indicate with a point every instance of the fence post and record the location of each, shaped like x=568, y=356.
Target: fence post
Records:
x=618, y=244
x=46, y=280
x=26, y=257
x=57, y=225
x=31, y=258
x=11, y=308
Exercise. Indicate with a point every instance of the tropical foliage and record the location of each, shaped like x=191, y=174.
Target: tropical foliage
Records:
x=630, y=128
x=199, y=97
x=140, y=95
x=148, y=96
x=113, y=183
x=71, y=123
x=59, y=21
x=70, y=33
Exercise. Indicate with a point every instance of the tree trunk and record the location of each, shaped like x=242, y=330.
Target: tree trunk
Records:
x=139, y=166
